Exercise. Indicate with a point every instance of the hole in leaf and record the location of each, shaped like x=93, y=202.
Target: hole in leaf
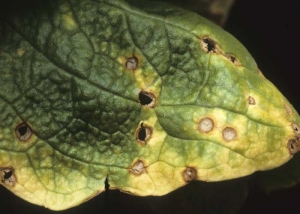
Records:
x=23, y=132
x=7, y=176
x=209, y=45
x=190, y=174
x=147, y=99
x=132, y=63
x=144, y=134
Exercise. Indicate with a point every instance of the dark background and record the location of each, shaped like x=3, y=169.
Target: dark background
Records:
x=270, y=30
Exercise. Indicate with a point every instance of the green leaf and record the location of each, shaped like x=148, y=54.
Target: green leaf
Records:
x=143, y=95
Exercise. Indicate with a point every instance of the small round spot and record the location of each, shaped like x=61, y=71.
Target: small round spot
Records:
x=206, y=125
x=296, y=130
x=251, y=100
x=293, y=146
x=138, y=167
x=190, y=174
x=147, y=99
x=233, y=59
x=7, y=176
x=23, y=132
x=229, y=134
x=143, y=134
x=132, y=63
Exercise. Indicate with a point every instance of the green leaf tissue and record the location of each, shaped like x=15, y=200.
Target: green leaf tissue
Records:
x=143, y=95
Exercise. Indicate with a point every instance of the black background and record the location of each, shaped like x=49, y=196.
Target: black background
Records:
x=270, y=30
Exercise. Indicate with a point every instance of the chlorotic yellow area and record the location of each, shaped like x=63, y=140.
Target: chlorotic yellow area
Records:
x=145, y=77
x=60, y=172
x=158, y=178
x=262, y=108
x=165, y=177
x=9, y=139
x=33, y=188
x=69, y=22
x=220, y=120
x=138, y=184
x=67, y=17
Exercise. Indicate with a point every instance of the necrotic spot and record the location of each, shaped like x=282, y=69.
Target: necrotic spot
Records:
x=138, y=167
x=132, y=63
x=233, y=59
x=190, y=174
x=293, y=146
x=144, y=134
x=229, y=134
x=208, y=45
x=147, y=99
x=7, y=176
x=23, y=132
x=295, y=128
x=251, y=101
x=206, y=125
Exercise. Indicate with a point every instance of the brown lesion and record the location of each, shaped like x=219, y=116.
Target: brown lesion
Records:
x=138, y=168
x=132, y=63
x=233, y=59
x=209, y=45
x=251, y=100
x=7, y=176
x=293, y=146
x=190, y=174
x=296, y=130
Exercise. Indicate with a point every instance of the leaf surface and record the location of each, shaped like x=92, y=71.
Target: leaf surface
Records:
x=147, y=96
